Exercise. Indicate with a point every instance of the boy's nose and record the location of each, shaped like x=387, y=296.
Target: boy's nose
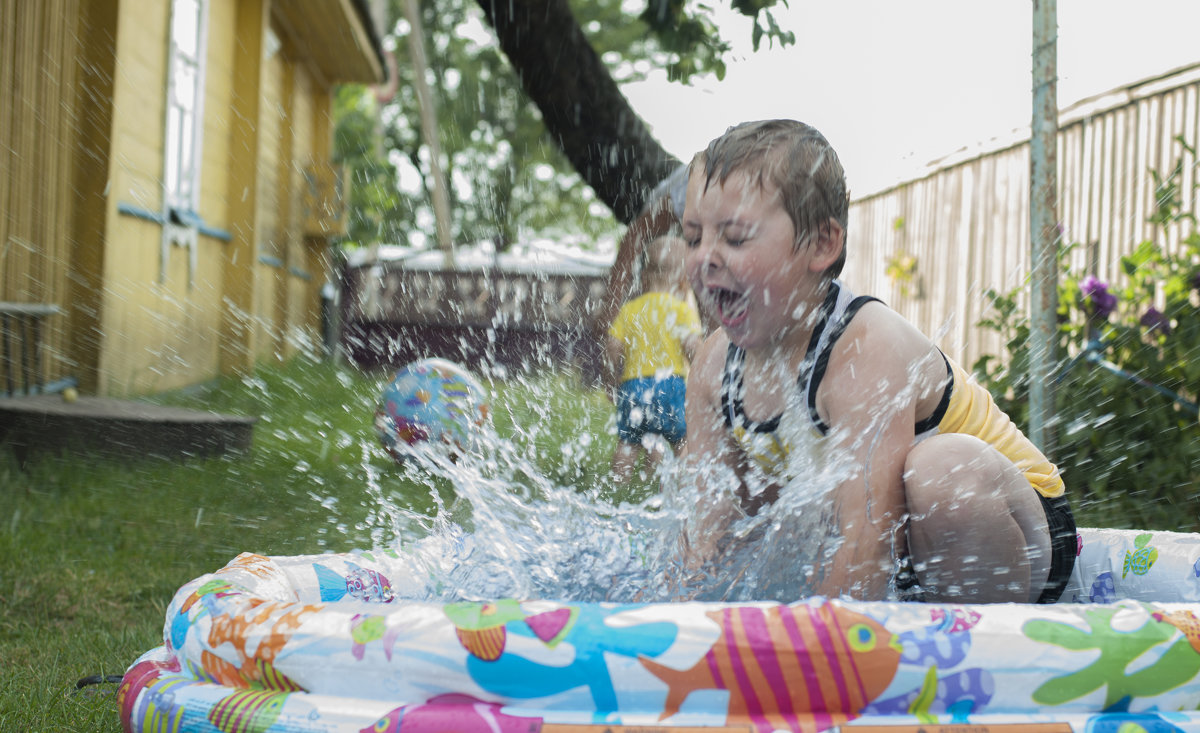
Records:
x=700, y=259
x=710, y=256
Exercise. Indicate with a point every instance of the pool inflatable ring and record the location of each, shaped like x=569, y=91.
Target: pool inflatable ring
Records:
x=326, y=643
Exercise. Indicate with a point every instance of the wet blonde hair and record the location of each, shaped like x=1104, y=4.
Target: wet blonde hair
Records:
x=794, y=158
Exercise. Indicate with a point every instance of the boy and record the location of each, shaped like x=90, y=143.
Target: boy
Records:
x=650, y=344
x=802, y=376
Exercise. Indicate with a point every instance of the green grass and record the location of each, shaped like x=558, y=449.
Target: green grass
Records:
x=94, y=550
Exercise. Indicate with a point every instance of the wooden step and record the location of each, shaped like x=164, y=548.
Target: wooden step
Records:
x=48, y=424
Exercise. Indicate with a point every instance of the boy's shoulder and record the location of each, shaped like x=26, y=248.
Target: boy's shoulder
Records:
x=879, y=333
x=876, y=319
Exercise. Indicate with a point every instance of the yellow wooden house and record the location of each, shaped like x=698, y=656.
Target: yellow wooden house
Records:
x=167, y=199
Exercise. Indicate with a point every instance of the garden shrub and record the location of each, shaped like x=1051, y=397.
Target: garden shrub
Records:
x=1126, y=433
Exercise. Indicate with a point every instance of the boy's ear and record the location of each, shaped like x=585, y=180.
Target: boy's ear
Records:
x=827, y=245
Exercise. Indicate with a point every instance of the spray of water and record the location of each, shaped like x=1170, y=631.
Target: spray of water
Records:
x=513, y=531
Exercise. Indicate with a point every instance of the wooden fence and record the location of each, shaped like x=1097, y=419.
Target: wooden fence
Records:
x=392, y=315
x=963, y=228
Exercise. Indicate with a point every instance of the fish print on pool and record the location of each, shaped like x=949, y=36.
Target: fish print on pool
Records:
x=837, y=660
x=585, y=628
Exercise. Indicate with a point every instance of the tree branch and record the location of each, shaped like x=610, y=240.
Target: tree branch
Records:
x=582, y=107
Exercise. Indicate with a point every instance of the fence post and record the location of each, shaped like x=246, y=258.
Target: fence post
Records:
x=1043, y=225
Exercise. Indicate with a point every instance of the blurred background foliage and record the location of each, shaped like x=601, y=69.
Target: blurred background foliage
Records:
x=508, y=180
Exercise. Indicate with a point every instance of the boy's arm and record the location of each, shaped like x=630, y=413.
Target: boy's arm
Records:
x=691, y=344
x=709, y=458
x=691, y=334
x=614, y=363
x=871, y=404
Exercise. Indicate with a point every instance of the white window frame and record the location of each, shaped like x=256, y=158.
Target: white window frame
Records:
x=184, y=110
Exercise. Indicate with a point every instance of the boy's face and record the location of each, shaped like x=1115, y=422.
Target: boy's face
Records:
x=742, y=261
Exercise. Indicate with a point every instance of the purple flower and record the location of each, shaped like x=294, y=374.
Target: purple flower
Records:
x=1196, y=280
x=1092, y=284
x=1101, y=303
x=1154, y=318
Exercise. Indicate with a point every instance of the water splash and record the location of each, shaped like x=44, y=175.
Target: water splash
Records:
x=513, y=531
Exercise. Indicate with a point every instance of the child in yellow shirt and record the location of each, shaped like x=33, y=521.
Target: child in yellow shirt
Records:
x=650, y=344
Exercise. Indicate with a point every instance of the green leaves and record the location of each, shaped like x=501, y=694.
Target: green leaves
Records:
x=686, y=31
x=771, y=30
x=689, y=37
x=1128, y=439
x=508, y=178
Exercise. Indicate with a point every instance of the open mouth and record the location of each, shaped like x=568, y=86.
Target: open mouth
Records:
x=730, y=304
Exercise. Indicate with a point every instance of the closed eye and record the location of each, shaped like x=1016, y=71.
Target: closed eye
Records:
x=736, y=234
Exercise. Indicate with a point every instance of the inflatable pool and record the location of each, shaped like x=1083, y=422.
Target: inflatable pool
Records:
x=325, y=643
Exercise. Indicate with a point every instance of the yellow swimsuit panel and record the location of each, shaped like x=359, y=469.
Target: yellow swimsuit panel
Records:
x=972, y=411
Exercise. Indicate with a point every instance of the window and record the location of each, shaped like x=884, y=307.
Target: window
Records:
x=185, y=93
x=181, y=155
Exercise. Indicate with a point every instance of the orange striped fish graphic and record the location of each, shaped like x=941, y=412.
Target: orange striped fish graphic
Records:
x=802, y=668
x=247, y=711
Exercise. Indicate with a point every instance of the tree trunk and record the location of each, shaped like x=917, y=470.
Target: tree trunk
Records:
x=583, y=109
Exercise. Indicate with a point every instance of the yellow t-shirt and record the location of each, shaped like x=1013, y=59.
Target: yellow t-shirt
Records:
x=652, y=327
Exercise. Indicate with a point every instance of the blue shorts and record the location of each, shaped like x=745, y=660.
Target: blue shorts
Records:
x=651, y=405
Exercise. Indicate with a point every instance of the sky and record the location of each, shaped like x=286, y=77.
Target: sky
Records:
x=895, y=84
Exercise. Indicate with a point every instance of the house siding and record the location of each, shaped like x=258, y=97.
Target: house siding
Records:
x=39, y=71
x=82, y=148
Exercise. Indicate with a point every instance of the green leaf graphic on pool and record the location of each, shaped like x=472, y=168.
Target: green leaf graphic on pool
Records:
x=1119, y=648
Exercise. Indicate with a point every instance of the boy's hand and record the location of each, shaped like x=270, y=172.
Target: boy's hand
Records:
x=710, y=477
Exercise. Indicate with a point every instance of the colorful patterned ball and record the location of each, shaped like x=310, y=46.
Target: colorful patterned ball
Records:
x=431, y=401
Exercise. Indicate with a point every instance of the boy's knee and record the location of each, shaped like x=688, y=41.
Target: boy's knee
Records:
x=947, y=454
x=944, y=469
